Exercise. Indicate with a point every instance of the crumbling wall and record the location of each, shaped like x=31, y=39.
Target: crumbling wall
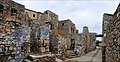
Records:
x=52, y=19
x=12, y=11
x=69, y=27
x=11, y=41
x=12, y=33
x=34, y=37
x=92, y=46
x=87, y=41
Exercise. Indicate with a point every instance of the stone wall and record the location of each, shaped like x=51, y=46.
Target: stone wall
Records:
x=12, y=18
x=111, y=36
x=12, y=11
x=50, y=20
x=11, y=42
x=69, y=27
x=87, y=41
x=92, y=46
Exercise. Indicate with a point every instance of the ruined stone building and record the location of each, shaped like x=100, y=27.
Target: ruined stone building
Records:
x=45, y=27
x=87, y=41
x=12, y=11
x=27, y=29
x=70, y=29
x=48, y=25
x=32, y=31
x=111, y=39
x=51, y=19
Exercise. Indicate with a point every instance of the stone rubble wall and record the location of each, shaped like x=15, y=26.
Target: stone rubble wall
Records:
x=12, y=17
x=111, y=33
x=10, y=45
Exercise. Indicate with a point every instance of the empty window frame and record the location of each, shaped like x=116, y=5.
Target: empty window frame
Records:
x=1, y=8
x=33, y=15
x=63, y=24
x=13, y=11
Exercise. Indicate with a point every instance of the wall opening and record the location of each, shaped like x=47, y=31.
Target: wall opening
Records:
x=33, y=15
x=72, y=44
x=51, y=26
x=62, y=24
x=71, y=29
x=13, y=12
x=46, y=12
x=1, y=8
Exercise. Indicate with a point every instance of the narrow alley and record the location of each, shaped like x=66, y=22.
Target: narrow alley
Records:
x=94, y=56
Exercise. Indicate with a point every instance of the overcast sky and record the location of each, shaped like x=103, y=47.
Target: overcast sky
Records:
x=81, y=12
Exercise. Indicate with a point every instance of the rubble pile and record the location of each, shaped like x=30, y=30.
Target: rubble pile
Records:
x=62, y=57
x=46, y=59
x=40, y=58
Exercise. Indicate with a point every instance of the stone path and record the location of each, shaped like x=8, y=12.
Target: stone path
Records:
x=98, y=57
x=94, y=56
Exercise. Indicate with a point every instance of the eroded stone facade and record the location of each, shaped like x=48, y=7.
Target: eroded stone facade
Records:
x=12, y=11
x=87, y=41
x=12, y=18
x=111, y=38
x=70, y=29
x=43, y=29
